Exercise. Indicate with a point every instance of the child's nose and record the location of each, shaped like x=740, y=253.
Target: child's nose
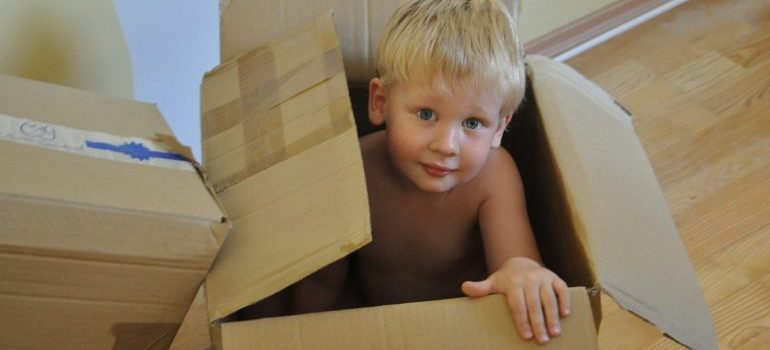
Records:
x=445, y=141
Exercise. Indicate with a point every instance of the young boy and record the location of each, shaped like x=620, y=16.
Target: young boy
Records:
x=447, y=202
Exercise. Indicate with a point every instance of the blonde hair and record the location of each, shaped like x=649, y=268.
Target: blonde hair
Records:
x=473, y=41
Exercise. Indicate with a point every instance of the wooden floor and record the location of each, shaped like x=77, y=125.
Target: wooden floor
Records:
x=697, y=80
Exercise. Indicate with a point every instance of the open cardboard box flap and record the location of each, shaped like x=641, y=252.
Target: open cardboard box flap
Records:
x=281, y=148
x=619, y=208
x=460, y=323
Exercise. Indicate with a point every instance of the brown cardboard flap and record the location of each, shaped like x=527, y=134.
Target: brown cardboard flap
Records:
x=32, y=323
x=618, y=205
x=483, y=323
x=281, y=147
x=88, y=180
x=313, y=211
x=247, y=24
x=193, y=333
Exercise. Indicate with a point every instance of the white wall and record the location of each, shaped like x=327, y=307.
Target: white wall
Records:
x=72, y=43
x=172, y=44
x=539, y=17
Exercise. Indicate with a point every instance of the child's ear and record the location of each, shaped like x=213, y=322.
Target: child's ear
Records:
x=498, y=138
x=376, y=102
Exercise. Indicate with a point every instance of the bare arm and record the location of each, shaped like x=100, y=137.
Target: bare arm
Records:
x=503, y=215
x=317, y=292
x=536, y=296
x=321, y=290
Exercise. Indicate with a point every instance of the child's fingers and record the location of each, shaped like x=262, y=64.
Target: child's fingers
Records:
x=518, y=306
x=562, y=291
x=478, y=289
x=551, y=309
x=535, y=312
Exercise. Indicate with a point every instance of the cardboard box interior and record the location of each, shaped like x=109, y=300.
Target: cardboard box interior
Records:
x=96, y=250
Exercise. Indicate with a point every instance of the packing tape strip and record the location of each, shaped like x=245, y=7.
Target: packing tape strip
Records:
x=268, y=151
x=261, y=90
x=258, y=110
x=95, y=144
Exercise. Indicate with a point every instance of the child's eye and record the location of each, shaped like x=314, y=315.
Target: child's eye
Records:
x=472, y=123
x=426, y=114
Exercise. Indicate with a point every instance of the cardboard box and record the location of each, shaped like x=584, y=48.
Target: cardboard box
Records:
x=599, y=215
x=98, y=250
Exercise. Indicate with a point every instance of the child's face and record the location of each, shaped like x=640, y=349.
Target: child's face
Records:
x=438, y=138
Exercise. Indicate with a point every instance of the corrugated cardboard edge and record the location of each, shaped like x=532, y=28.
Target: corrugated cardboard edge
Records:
x=661, y=287
x=173, y=145
x=462, y=323
x=194, y=330
x=569, y=256
x=193, y=333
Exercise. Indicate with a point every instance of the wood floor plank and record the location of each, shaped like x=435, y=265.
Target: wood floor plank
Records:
x=730, y=214
x=670, y=55
x=697, y=81
x=619, y=49
x=730, y=135
x=709, y=70
x=735, y=314
x=621, y=329
x=750, y=50
x=752, y=87
x=625, y=78
x=715, y=176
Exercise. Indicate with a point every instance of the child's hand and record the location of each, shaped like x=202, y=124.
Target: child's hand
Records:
x=531, y=290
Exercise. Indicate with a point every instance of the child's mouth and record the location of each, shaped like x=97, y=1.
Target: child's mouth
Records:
x=436, y=170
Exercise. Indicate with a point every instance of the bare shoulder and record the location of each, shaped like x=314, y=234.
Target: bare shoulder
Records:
x=373, y=149
x=499, y=171
x=375, y=158
x=372, y=144
x=500, y=158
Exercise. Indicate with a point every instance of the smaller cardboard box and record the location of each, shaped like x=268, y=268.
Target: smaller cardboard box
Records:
x=599, y=215
x=106, y=235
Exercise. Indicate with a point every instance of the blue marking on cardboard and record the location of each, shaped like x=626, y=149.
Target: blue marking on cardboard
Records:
x=135, y=150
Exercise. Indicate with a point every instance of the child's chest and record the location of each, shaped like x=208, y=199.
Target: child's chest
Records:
x=427, y=236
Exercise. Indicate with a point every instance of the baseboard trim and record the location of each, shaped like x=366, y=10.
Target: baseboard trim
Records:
x=593, y=25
